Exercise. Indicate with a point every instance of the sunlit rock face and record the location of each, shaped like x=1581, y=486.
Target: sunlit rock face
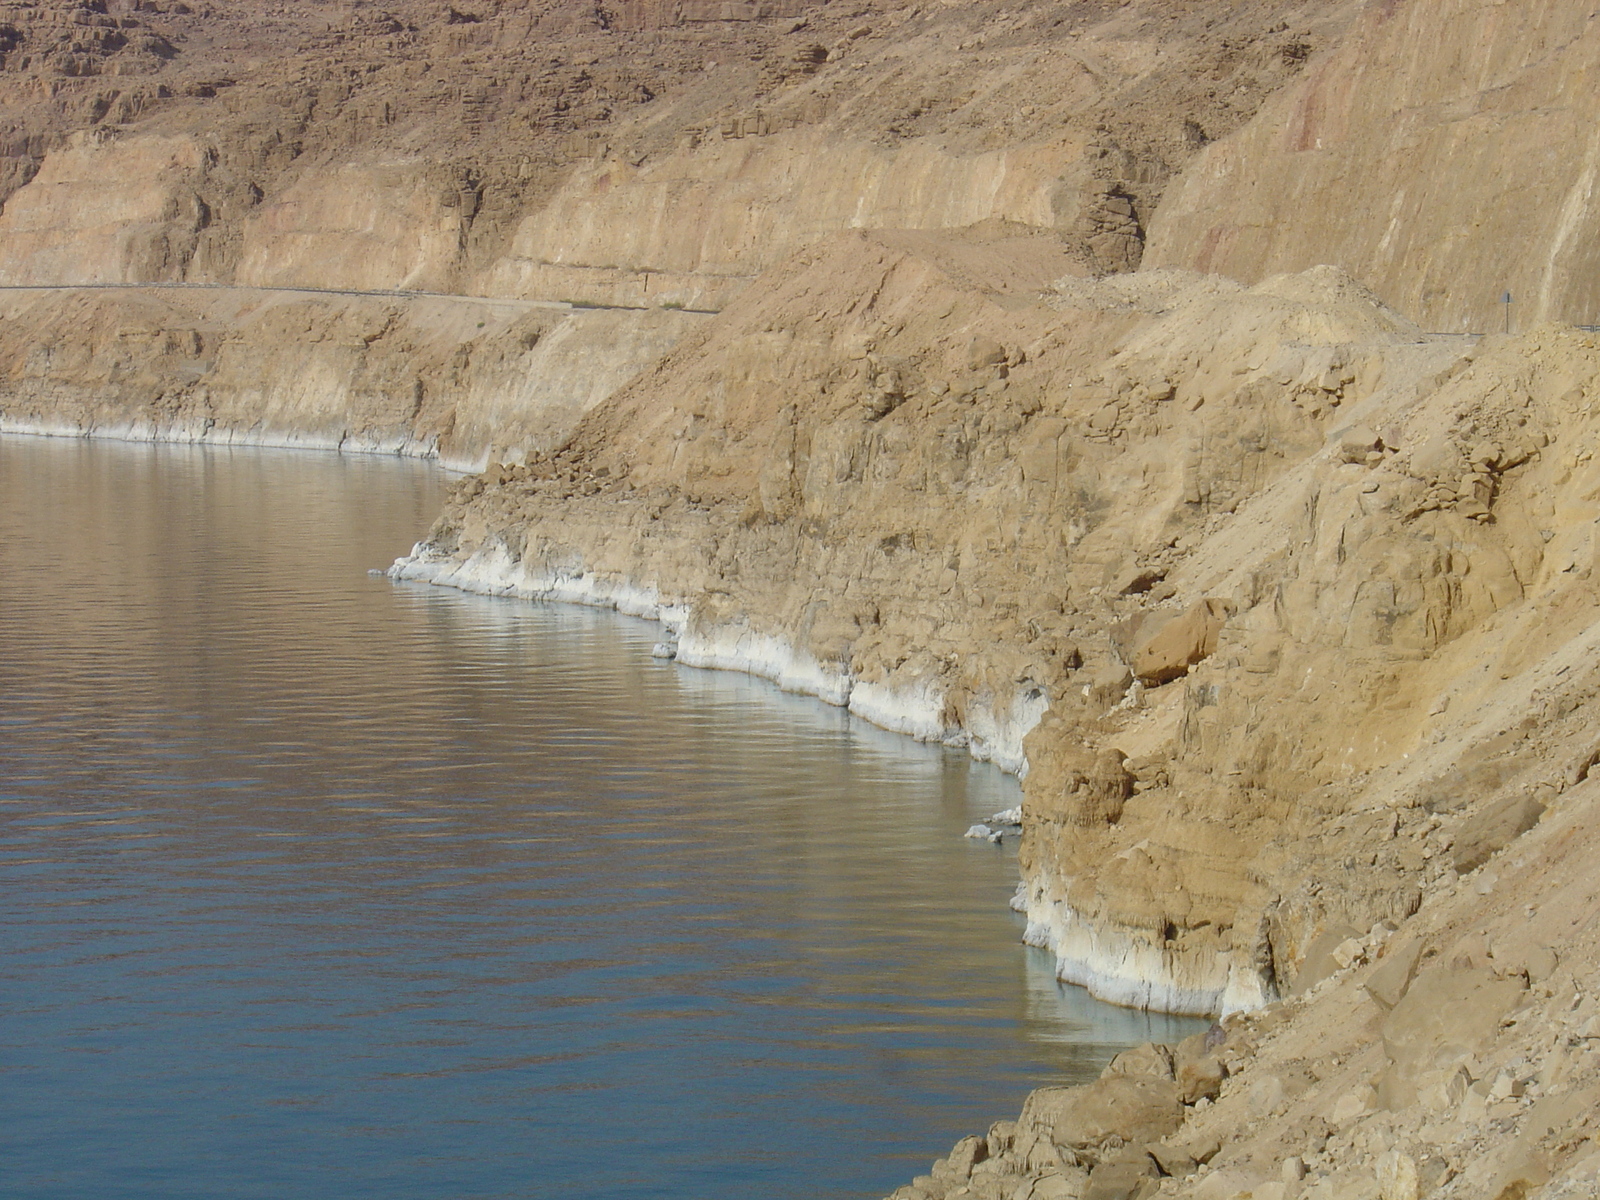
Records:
x=1270, y=574
x=1154, y=551
x=1443, y=179
x=641, y=154
x=460, y=380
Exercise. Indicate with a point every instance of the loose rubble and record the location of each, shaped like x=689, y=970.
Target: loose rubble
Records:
x=1454, y=1056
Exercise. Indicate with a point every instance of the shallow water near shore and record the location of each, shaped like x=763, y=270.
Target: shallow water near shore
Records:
x=323, y=886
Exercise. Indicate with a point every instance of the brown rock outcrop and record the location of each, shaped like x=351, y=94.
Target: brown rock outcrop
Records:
x=852, y=500
x=645, y=154
x=1142, y=1108
x=1492, y=829
x=1285, y=605
x=460, y=379
x=1449, y=1013
x=846, y=499
x=1487, y=1082
x=1199, y=1074
x=1168, y=651
x=1442, y=179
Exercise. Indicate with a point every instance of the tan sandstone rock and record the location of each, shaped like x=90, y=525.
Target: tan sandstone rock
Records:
x=1175, y=645
x=1131, y=1108
x=1448, y=1014
x=1490, y=831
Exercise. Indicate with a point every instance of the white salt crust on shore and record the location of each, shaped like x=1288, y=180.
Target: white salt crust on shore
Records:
x=994, y=734
x=1120, y=967
x=1110, y=965
x=192, y=433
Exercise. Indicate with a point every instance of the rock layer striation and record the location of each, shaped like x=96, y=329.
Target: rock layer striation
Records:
x=1281, y=598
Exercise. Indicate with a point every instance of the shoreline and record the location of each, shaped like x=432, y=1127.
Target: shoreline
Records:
x=997, y=739
x=1085, y=954
x=1111, y=965
x=148, y=433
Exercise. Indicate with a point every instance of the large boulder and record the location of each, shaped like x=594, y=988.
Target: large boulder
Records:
x=1134, y=1108
x=1198, y=1071
x=1172, y=647
x=1320, y=961
x=1395, y=971
x=1075, y=785
x=1149, y=1059
x=1447, y=1014
x=1128, y=1175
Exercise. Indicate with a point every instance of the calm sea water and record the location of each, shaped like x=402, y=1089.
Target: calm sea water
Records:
x=322, y=886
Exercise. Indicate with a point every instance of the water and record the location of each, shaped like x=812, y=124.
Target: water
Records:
x=322, y=886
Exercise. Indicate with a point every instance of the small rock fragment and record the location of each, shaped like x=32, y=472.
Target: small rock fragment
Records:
x=1397, y=1177
x=1148, y=1059
x=1198, y=1071
x=1320, y=961
x=1352, y=1106
x=1178, y=644
x=1173, y=1160
x=1122, y=1178
x=1357, y=442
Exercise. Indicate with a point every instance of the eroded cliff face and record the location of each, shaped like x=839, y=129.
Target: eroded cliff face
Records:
x=1283, y=603
x=1285, y=607
x=1238, y=547
x=457, y=379
x=659, y=153
x=1453, y=1057
x=1445, y=153
x=67, y=226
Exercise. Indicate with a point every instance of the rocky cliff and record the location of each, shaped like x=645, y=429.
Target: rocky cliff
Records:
x=1286, y=605
x=1269, y=563
x=457, y=379
x=655, y=153
x=1445, y=153
x=1163, y=517
x=1453, y=1056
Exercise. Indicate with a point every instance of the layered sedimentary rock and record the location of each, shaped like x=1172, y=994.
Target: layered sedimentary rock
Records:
x=1236, y=546
x=659, y=153
x=1456, y=1056
x=699, y=224
x=1445, y=154
x=798, y=420
x=1297, y=601
x=457, y=379
x=67, y=226
x=1283, y=602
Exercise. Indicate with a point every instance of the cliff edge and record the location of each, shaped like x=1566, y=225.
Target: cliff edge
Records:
x=1262, y=544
